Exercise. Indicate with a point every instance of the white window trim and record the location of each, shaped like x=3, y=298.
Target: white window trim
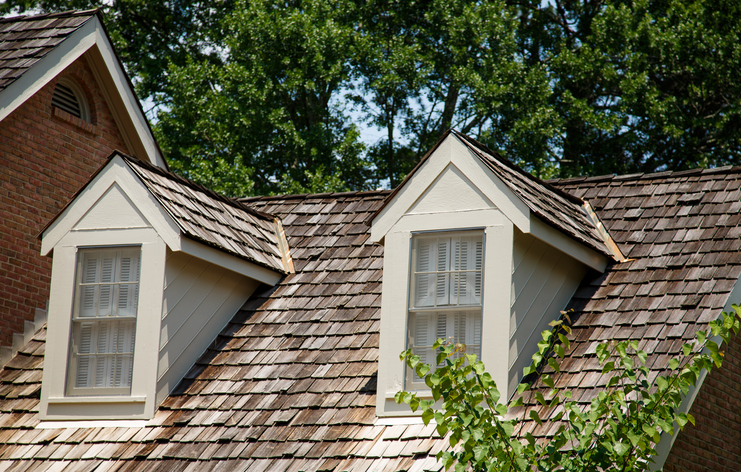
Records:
x=498, y=243
x=98, y=321
x=56, y=404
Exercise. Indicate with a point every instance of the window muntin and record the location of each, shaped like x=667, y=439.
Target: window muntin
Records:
x=446, y=294
x=104, y=322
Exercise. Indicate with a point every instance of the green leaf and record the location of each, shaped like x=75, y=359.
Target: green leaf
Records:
x=535, y=417
x=621, y=448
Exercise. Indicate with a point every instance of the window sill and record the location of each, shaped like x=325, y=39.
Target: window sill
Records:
x=100, y=399
x=422, y=394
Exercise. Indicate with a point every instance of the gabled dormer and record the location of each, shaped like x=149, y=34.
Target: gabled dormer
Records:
x=480, y=252
x=147, y=269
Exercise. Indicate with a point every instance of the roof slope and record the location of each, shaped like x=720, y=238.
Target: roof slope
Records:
x=24, y=40
x=559, y=209
x=682, y=234
x=215, y=220
x=289, y=385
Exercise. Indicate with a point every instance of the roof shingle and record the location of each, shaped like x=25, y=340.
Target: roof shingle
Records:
x=25, y=40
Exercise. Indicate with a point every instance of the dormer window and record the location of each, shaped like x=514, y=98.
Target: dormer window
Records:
x=446, y=299
x=532, y=243
x=68, y=96
x=135, y=297
x=104, y=322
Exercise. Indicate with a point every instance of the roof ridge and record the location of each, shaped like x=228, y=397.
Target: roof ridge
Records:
x=63, y=14
x=298, y=196
x=664, y=174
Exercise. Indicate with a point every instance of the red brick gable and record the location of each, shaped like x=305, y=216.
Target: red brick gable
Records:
x=46, y=155
x=714, y=443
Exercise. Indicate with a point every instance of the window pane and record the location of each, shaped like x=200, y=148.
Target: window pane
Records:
x=446, y=273
x=102, y=351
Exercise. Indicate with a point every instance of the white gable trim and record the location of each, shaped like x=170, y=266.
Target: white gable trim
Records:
x=47, y=68
x=107, y=70
x=116, y=172
x=451, y=152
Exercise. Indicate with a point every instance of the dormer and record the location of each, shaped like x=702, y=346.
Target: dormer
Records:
x=477, y=251
x=147, y=269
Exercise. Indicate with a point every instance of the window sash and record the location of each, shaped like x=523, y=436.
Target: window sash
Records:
x=103, y=327
x=445, y=301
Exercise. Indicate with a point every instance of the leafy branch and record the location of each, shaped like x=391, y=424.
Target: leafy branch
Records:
x=617, y=431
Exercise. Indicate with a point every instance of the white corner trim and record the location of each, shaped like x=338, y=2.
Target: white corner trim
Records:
x=47, y=68
x=228, y=261
x=92, y=424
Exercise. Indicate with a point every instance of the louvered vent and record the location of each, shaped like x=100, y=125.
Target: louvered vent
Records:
x=67, y=98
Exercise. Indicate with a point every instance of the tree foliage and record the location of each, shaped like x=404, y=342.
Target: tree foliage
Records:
x=617, y=431
x=257, y=96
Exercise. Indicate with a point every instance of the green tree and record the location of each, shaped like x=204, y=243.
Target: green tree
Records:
x=269, y=111
x=617, y=431
x=563, y=88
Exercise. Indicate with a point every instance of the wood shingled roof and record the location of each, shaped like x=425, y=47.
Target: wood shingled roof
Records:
x=215, y=220
x=290, y=383
x=25, y=40
x=559, y=209
x=682, y=234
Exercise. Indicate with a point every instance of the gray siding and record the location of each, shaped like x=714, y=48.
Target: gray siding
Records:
x=543, y=281
x=199, y=300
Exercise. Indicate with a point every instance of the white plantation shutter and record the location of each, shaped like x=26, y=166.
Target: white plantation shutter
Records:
x=104, y=322
x=447, y=275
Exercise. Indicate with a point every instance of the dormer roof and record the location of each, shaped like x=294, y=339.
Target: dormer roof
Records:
x=198, y=214
x=518, y=194
x=215, y=220
x=569, y=214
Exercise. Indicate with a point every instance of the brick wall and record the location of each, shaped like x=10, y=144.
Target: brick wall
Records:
x=714, y=443
x=46, y=155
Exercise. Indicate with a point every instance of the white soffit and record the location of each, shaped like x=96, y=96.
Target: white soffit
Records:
x=115, y=181
x=451, y=161
x=111, y=78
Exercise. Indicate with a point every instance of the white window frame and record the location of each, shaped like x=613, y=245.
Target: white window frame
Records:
x=57, y=402
x=97, y=320
x=469, y=310
x=498, y=240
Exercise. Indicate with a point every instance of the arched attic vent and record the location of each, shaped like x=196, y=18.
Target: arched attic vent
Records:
x=68, y=96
